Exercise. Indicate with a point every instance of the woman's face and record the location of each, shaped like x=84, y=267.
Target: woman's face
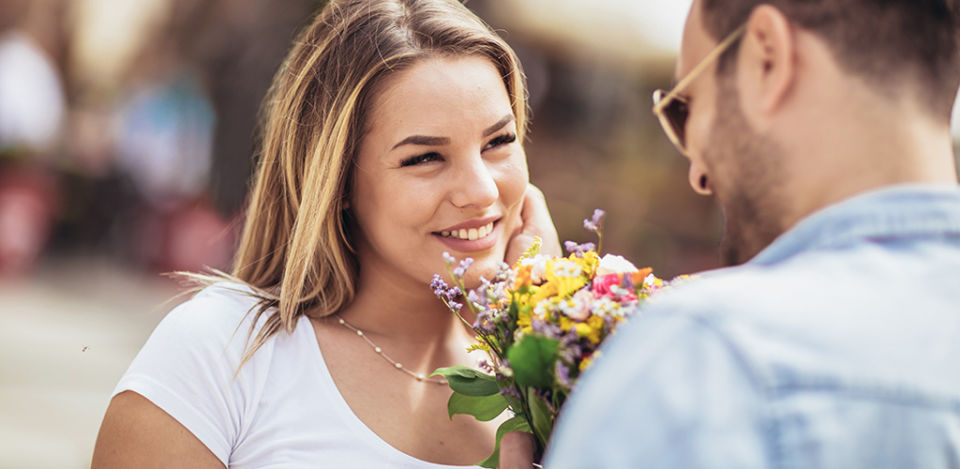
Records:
x=439, y=169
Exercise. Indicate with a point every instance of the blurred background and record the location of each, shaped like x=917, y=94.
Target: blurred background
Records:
x=126, y=135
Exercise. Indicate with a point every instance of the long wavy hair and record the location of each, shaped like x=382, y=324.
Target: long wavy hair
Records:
x=295, y=252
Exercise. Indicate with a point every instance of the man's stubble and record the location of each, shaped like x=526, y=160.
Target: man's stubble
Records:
x=747, y=179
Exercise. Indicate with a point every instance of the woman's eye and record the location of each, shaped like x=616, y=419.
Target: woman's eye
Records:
x=504, y=139
x=424, y=158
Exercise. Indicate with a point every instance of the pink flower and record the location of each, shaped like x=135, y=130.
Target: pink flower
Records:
x=602, y=285
x=611, y=286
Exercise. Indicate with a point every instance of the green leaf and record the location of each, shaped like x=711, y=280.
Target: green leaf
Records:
x=516, y=424
x=532, y=360
x=459, y=370
x=483, y=408
x=466, y=380
x=513, y=311
x=542, y=417
x=516, y=405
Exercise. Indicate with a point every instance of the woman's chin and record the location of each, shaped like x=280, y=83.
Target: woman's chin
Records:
x=486, y=268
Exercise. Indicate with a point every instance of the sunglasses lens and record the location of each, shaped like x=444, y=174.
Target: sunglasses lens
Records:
x=673, y=118
x=676, y=114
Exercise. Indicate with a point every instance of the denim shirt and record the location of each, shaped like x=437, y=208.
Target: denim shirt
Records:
x=838, y=346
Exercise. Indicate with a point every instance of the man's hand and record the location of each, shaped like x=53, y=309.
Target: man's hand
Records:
x=535, y=222
x=517, y=450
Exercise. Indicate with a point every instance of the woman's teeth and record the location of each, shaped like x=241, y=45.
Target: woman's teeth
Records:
x=471, y=234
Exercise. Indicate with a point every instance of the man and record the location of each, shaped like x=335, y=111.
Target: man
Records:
x=822, y=129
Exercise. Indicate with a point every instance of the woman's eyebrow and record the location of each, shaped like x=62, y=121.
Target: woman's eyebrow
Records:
x=422, y=140
x=495, y=127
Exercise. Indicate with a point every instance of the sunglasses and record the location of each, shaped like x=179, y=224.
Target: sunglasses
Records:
x=672, y=109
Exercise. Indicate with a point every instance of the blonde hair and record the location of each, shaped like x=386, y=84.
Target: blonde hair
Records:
x=295, y=251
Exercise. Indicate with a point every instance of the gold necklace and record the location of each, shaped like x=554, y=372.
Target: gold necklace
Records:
x=379, y=351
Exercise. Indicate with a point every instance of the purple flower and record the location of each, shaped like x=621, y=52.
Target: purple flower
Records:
x=510, y=391
x=452, y=293
x=546, y=329
x=593, y=223
x=460, y=270
x=562, y=373
x=450, y=260
x=483, y=324
x=578, y=249
x=504, y=273
x=454, y=306
x=570, y=349
x=475, y=299
x=438, y=285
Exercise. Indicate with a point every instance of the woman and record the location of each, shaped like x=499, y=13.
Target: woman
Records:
x=393, y=134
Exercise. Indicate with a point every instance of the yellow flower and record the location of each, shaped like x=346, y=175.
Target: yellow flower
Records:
x=543, y=292
x=523, y=318
x=566, y=275
x=480, y=345
x=589, y=263
x=591, y=329
x=587, y=361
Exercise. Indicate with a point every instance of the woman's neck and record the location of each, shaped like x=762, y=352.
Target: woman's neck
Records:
x=398, y=307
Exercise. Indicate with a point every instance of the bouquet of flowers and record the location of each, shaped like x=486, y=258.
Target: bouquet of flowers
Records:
x=541, y=322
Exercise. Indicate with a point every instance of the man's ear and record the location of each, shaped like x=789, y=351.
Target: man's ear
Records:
x=767, y=62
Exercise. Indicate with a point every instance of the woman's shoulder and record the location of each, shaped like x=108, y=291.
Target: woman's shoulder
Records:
x=223, y=305
x=217, y=321
x=190, y=367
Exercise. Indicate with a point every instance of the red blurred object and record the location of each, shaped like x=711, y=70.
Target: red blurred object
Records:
x=28, y=204
x=189, y=237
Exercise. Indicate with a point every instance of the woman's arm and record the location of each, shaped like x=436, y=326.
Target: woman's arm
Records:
x=137, y=433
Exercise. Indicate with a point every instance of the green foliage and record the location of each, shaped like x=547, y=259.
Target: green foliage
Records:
x=516, y=404
x=468, y=381
x=516, y=424
x=542, y=418
x=532, y=360
x=483, y=408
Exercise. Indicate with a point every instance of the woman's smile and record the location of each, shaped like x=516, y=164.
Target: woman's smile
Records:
x=471, y=236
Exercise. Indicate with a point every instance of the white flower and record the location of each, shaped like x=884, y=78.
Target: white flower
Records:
x=539, y=271
x=578, y=307
x=566, y=268
x=612, y=264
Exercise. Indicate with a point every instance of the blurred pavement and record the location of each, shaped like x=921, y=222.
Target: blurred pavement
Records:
x=67, y=334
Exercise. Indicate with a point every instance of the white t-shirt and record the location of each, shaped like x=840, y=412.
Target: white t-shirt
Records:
x=282, y=410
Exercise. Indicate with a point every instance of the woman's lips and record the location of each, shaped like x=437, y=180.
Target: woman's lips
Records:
x=471, y=234
x=472, y=239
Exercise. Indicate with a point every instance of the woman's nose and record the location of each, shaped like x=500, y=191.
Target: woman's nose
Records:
x=474, y=185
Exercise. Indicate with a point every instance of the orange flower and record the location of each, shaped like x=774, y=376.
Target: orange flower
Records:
x=523, y=277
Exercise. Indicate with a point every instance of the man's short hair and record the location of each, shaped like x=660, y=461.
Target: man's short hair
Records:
x=885, y=42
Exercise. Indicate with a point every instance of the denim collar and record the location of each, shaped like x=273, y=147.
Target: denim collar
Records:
x=903, y=211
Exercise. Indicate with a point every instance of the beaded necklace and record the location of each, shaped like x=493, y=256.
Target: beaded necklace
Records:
x=379, y=351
